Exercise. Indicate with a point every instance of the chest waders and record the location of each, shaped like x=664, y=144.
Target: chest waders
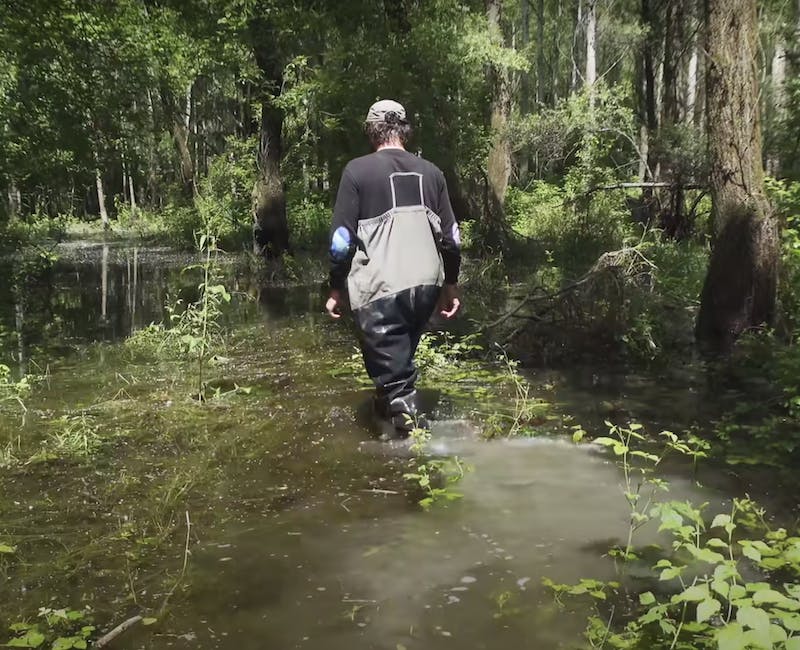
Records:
x=394, y=284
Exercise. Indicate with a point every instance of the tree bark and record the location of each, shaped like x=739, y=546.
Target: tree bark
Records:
x=14, y=199
x=541, y=63
x=270, y=226
x=591, y=48
x=498, y=169
x=778, y=104
x=741, y=284
x=101, y=198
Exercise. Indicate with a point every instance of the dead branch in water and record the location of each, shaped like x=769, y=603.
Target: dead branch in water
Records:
x=113, y=634
x=624, y=263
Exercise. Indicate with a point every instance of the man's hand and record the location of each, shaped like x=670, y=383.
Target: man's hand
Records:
x=333, y=304
x=449, y=303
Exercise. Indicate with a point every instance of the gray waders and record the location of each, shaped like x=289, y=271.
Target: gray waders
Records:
x=394, y=283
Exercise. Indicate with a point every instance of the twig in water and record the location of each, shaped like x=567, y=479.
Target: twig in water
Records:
x=108, y=638
x=183, y=568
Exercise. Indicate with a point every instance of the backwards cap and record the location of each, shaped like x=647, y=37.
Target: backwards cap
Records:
x=386, y=110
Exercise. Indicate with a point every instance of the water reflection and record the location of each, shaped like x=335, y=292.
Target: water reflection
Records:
x=104, y=292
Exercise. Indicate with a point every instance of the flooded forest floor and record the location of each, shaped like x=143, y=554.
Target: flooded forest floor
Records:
x=269, y=516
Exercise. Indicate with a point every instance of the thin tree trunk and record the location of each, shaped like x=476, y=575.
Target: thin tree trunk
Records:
x=741, y=285
x=525, y=86
x=691, y=85
x=778, y=107
x=541, y=71
x=101, y=199
x=14, y=199
x=132, y=193
x=576, y=38
x=591, y=48
x=498, y=169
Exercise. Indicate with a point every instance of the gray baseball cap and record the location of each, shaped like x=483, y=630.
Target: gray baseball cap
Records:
x=379, y=110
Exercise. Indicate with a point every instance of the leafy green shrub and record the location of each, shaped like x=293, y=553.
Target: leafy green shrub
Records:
x=225, y=195
x=309, y=223
x=785, y=196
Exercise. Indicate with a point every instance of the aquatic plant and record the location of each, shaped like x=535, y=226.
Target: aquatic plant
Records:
x=195, y=332
x=62, y=629
x=435, y=476
x=13, y=392
x=716, y=587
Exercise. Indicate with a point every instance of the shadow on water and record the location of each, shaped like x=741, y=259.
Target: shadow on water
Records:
x=303, y=534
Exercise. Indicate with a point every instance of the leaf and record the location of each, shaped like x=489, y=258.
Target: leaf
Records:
x=753, y=554
x=765, y=596
x=693, y=594
x=707, y=608
x=647, y=598
x=793, y=643
x=731, y=637
x=32, y=639
x=721, y=587
x=5, y=548
x=149, y=621
x=716, y=542
x=670, y=574
x=720, y=521
x=754, y=618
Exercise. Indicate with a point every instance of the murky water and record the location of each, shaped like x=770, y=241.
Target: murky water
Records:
x=295, y=526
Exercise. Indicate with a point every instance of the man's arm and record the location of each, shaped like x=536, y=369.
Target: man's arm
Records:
x=342, y=246
x=449, y=302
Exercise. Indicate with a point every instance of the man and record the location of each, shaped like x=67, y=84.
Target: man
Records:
x=395, y=243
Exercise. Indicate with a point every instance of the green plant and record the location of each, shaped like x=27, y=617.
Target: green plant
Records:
x=640, y=482
x=435, y=476
x=14, y=392
x=197, y=327
x=195, y=331
x=74, y=435
x=62, y=629
x=711, y=590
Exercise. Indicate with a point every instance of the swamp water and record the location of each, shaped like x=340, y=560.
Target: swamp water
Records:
x=271, y=518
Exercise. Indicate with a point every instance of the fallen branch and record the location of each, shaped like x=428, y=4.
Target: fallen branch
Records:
x=113, y=634
x=627, y=259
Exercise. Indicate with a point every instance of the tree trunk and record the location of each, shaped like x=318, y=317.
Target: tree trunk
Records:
x=132, y=192
x=575, y=46
x=741, y=283
x=498, y=169
x=591, y=48
x=691, y=85
x=101, y=198
x=270, y=227
x=778, y=104
x=525, y=87
x=541, y=68
x=647, y=107
x=14, y=199
x=180, y=132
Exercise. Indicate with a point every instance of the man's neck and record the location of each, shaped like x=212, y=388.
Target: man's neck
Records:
x=393, y=144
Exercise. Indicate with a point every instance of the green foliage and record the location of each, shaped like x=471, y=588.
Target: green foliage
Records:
x=434, y=476
x=709, y=595
x=309, y=221
x=13, y=392
x=224, y=201
x=527, y=411
x=195, y=332
x=57, y=629
x=785, y=197
x=74, y=435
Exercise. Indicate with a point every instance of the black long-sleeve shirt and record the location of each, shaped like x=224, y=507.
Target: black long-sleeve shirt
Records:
x=366, y=191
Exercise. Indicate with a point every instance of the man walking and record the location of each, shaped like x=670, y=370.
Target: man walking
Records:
x=395, y=243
